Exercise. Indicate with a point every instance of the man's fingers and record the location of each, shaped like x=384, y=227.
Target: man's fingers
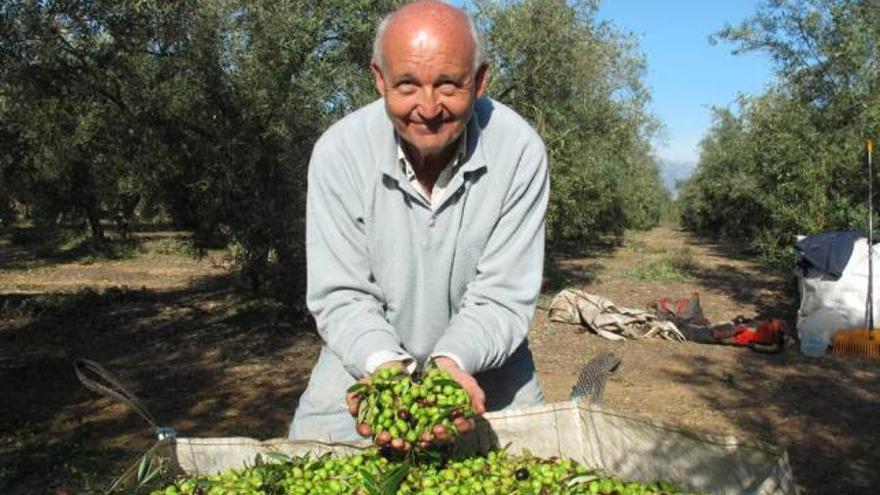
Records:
x=463, y=424
x=364, y=430
x=478, y=397
x=467, y=382
x=478, y=400
x=383, y=438
x=353, y=401
x=440, y=434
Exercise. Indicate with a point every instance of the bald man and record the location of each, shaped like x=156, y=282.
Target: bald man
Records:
x=424, y=227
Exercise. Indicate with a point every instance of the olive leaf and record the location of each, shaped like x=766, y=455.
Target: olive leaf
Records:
x=301, y=460
x=147, y=470
x=356, y=388
x=152, y=474
x=577, y=480
x=391, y=481
x=142, y=467
x=364, y=407
x=279, y=457
x=371, y=486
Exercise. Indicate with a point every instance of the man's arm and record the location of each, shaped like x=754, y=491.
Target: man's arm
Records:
x=498, y=304
x=342, y=295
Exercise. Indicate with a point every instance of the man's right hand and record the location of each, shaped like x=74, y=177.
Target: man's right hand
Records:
x=353, y=400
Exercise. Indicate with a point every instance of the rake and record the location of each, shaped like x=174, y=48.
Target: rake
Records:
x=863, y=342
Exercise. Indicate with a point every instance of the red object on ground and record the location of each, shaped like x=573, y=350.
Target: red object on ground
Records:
x=766, y=332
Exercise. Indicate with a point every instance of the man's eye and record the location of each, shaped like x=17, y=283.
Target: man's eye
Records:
x=406, y=87
x=448, y=88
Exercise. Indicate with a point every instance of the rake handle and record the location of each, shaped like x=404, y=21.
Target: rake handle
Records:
x=869, y=144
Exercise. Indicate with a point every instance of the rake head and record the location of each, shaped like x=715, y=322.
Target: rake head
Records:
x=860, y=342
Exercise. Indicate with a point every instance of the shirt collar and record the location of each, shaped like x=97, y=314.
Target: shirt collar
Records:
x=472, y=160
x=458, y=158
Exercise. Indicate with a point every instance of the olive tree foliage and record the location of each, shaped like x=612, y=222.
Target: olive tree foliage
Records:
x=256, y=83
x=791, y=161
x=65, y=127
x=205, y=112
x=206, y=108
x=579, y=82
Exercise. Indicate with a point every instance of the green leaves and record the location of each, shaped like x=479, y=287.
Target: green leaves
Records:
x=791, y=161
x=206, y=111
x=148, y=470
x=202, y=110
x=581, y=86
x=357, y=388
x=392, y=480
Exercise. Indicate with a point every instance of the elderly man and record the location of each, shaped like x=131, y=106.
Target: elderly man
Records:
x=425, y=227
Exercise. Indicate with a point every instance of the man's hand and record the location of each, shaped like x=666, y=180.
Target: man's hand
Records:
x=467, y=382
x=354, y=400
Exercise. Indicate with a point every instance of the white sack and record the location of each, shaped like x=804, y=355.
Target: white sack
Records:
x=626, y=447
x=829, y=304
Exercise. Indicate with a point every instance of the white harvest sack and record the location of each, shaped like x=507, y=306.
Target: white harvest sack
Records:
x=829, y=304
x=626, y=447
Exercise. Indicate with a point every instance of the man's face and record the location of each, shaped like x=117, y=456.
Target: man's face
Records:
x=429, y=86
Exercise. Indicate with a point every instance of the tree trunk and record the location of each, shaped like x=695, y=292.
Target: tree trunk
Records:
x=95, y=226
x=88, y=200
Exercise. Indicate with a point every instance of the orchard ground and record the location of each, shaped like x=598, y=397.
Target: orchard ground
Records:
x=210, y=362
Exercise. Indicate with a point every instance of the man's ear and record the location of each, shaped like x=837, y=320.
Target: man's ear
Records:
x=482, y=79
x=378, y=77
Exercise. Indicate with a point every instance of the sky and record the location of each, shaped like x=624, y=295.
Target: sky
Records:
x=686, y=75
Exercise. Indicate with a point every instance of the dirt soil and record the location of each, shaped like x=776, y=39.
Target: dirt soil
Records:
x=210, y=362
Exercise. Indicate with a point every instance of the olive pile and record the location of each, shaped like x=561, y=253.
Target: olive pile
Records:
x=500, y=473
x=300, y=476
x=371, y=473
x=403, y=413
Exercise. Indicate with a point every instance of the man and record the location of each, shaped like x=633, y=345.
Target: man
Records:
x=425, y=227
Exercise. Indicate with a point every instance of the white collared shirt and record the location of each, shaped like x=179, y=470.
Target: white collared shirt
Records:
x=435, y=196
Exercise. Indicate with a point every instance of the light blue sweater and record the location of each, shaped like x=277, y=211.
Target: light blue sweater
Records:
x=385, y=272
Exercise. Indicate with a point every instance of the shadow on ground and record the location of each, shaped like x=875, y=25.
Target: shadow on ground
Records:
x=824, y=412
x=31, y=247
x=202, y=359
x=563, y=270
x=771, y=290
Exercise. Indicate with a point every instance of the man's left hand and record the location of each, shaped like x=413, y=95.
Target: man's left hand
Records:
x=467, y=382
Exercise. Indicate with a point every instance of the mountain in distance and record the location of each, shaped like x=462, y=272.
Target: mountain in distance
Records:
x=674, y=171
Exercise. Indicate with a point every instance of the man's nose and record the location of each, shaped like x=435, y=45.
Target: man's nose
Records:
x=429, y=106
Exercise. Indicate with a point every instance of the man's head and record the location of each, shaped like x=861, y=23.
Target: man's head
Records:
x=430, y=67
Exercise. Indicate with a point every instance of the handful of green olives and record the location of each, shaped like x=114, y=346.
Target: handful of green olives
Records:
x=403, y=413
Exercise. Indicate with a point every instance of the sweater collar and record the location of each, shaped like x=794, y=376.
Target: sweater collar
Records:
x=472, y=157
